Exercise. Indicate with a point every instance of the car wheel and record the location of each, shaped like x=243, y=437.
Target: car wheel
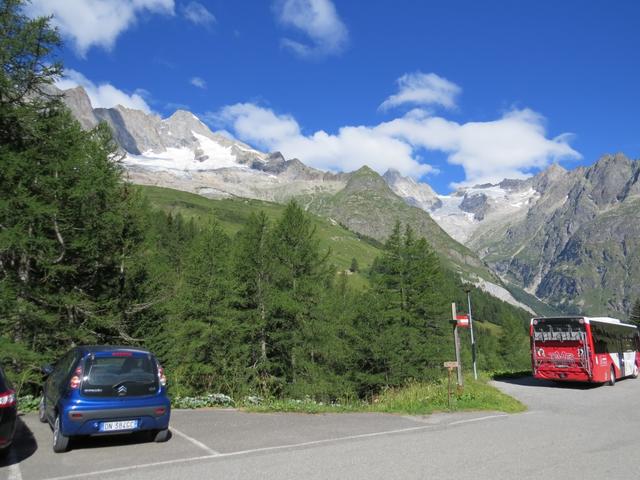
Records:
x=42, y=414
x=161, y=436
x=612, y=376
x=60, y=441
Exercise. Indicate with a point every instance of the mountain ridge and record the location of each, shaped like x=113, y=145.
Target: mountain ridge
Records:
x=507, y=225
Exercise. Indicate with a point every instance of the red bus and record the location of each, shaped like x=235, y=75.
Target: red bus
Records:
x=584, y=349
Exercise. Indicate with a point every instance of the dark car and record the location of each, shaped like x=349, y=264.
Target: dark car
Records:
x=8, y=413
x=105, y=390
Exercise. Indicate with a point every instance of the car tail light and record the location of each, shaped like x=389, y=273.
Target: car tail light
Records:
x=76, y=380
x=7, y=399
x=160, y=411
x=161, y=377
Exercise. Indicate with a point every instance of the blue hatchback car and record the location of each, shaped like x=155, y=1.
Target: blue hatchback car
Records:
x=105, y=390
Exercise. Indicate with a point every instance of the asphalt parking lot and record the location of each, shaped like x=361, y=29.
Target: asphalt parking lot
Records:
x=569, y=432
x=202, y=435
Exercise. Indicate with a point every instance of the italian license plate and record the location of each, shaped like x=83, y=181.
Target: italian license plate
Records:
x=118, y=426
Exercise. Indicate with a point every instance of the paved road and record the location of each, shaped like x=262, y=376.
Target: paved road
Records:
x=569, y=432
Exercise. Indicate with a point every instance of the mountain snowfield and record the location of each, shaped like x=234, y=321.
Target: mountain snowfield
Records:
x=531, y=233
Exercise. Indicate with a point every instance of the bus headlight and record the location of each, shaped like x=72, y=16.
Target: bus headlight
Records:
x=540, y=352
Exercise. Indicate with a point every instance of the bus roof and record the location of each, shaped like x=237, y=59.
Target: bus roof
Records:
x=613, y=321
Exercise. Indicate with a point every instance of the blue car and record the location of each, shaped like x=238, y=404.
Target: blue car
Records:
x=104, y=390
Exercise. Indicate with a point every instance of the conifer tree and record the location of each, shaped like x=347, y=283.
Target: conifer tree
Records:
x=69, y=228
x=634, y=317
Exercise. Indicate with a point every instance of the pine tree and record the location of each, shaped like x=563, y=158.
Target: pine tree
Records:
x=253, y=271
x=69, y=227
x=354, y=268
x=407, y=322
x=206, y=348
x=301, y=276
x=634, y=317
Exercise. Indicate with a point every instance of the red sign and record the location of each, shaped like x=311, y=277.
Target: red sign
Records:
x=462, y=321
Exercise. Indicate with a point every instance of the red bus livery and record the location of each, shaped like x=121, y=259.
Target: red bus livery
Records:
x=584, y=349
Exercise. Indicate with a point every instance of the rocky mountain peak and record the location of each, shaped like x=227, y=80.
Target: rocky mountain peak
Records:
x=417, y=194
x=79, y=103
x=366, y=179
x=609, y=178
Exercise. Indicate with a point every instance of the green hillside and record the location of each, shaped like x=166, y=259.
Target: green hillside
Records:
x=233, y=214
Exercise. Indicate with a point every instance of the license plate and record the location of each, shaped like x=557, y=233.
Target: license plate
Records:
x=117, y=426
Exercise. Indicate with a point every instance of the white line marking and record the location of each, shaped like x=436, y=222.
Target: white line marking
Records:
x=197, y=443
x=217, y=455
x=241, y=452
x=488, y=417
x=134, y=467
x=14, y=468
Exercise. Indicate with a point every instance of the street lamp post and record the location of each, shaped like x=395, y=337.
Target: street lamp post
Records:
x=473, y=341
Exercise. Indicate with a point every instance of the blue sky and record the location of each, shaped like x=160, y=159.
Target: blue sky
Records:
x=456, y=92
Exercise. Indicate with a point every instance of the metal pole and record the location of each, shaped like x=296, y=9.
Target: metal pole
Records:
x=473, y=341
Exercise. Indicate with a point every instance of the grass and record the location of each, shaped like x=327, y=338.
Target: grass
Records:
x=233, y=214
x=417, y=398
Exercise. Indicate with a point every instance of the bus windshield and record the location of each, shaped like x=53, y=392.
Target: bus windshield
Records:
x=558, y=330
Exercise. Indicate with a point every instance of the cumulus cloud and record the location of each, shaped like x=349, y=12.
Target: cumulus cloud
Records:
x=318, y=20
x=198, y=82
x=509, y=147
x=423, y=89
x=198, y=14
x=349, y=149
x=104, y=95
x=91, y=23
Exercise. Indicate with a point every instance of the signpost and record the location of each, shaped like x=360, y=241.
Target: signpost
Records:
x=456, y=341
x=450, y=366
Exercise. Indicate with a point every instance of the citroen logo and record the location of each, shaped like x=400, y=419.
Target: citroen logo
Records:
x=122, y=390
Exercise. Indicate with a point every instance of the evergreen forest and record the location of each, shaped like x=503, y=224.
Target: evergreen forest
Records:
x=264, y=309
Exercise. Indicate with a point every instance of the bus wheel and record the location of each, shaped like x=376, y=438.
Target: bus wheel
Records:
x=612, y=376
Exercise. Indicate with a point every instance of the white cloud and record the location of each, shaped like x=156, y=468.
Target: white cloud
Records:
x=198, y=14
x=423, y=89
x=91, y=23
x=509, y=147
x=349, y=149
x=198, y=82
x=104, y=95
x=318, y=20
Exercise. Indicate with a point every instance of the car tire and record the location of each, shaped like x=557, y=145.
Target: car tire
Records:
x=60, y=441
x=161, y=436
x=612, y=376
x=42, y=414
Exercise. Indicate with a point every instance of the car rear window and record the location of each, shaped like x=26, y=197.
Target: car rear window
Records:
x=119, y=376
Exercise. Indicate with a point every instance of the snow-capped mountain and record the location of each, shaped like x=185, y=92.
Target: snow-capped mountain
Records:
x=568, y=237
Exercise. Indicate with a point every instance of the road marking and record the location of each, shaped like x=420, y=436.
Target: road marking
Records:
x=197, y=443
x=217, y=455
x=479, y=419
x=241, y=452
x=14, y=468
x=134, y=467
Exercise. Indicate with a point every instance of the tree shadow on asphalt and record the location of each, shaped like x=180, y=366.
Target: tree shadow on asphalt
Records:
x=24, y=445
x=117, y=440
x=530, y=381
